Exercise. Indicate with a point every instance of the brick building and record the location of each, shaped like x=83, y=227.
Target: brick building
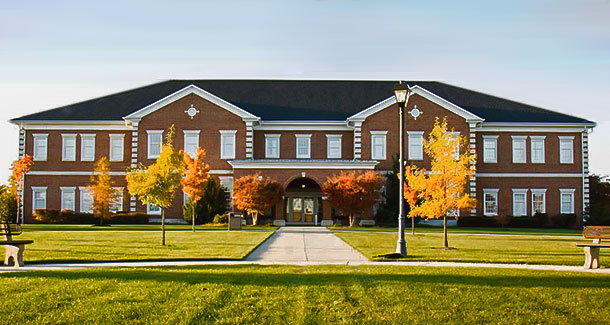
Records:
x=300, y=132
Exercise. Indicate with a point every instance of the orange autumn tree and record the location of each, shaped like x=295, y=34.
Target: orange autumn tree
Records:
x=353, y=192
x=195, y=178
x=19, y=168
x=104, y=195
x=256, y=195
x=442, y=190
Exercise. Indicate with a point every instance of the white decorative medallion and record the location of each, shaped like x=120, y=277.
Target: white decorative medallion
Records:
x=191, y=111
x=415, y=112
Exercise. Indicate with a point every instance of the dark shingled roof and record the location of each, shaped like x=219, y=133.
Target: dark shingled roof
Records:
x=300, y=100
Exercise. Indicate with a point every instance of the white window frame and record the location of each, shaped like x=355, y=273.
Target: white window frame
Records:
x=36, y=146
x=490, y=139
x=150, y=135
x=192, y=134
x=333, y=138
x=520, y=191
x=68, y=190
x=307, y=139
x=538, y=191
x=224, y=180
x=39, y=189
x=64, y=139
x=152, y=212
x=493, y=191
x=570, y=192
x=456, y=138
x=118, y=204
x=84, y=191
x=535, y=139
x=269, y=138
x=566, y=140
x=384, y=140
x=120, y=138
x=227, y=135
x=84, y=138
x=519, y=139
x=185, y=199
x=419, y=136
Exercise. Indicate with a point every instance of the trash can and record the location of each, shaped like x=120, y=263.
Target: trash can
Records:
x=235, y=221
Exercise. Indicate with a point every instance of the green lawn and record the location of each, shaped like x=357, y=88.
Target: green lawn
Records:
x=311, y=295
x=476, y=248
x=79, y=243
x=470, y=230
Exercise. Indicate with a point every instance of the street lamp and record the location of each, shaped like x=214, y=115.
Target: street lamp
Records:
x=401, y=92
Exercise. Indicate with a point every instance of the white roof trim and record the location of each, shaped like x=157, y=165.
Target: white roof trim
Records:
x=302, y=164
x=417, y=90
x=191, y=89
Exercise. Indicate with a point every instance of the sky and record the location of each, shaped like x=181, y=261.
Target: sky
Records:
x=552, y=54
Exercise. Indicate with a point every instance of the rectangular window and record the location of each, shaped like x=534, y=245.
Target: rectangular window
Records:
x=185, y=199
x=519, y=202
x=86, y=200
x=490, y=202
x=272, y=145
x=153, y=209
x=68, y=197
x=155, y=141
x=117, y=204
x=415, y=145
x=567, y=200
x=227, y=144
x=333, y=145
x=519, y=153
x=303, y=145
x=87, y=147
x=490, y=148
x=378, y=145
x=39, y=197
x=456, y=151
x=537, y=144
x=116, y=147
x=566, y=149
x=191, y=142
x=227, y=183
x=68, y=147
x=538, y=200
x=40, y=147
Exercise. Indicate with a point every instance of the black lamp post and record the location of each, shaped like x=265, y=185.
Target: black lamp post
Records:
x=401, y=92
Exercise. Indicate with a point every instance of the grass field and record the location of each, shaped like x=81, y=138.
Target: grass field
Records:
x=314, y=294
x=470, y=230
x=476, y=248
x=78, y=243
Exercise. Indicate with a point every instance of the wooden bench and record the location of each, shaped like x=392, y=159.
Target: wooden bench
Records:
x=596, y=233
x=13, y=254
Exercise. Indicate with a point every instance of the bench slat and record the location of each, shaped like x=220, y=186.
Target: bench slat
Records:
x=596, y=232
x=593, y=245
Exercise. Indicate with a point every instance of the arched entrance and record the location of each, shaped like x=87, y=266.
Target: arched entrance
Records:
x=303, y=203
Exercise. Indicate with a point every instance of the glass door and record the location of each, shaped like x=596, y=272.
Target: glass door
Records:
x=297, y=209
x=308, y=210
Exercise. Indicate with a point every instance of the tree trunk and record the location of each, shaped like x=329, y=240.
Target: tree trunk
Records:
x=445, y=241
x=18, y=203
x=193, y=216
x=162, y=226
x=352, y=219
x=413, y=225
x=255, y=218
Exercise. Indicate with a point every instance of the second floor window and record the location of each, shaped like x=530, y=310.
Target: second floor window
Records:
x=40, y=147
x=303, y=145
x=227, y=144
x=566, y=150
x=191, y=142
x=87, y=147
x=333, y=145
x=378, y=145
x=272, y=146
x=490, y=148
x=537, y=143
x=416, y=145
x=155, y=140
x=68, y=147
x=519, y=153
x=116, y=147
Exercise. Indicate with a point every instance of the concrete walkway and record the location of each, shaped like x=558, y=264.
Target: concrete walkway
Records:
x=305, y=244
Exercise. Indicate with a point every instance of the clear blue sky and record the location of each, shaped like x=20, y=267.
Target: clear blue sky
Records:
x=554, y=54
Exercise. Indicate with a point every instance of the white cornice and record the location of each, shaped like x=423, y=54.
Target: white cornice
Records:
x=303, y=126
x=302, y=164
x=69, y=173
x=528, y=175
x=533, y=127
x=74, y=125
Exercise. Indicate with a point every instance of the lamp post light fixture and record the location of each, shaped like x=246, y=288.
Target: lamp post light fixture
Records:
x=402, y=93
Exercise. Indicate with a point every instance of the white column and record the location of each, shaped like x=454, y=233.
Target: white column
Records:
x=357, y=140
x=134, y=159
x=250, y=140
x=585, y=170
x=472, y=140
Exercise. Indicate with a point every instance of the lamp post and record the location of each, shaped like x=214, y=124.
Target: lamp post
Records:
x=401, y=92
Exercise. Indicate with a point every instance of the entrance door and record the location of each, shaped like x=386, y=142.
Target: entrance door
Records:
x=302, y=210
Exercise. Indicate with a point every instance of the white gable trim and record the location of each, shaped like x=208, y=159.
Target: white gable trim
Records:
x=191, y=89
x=417, y=90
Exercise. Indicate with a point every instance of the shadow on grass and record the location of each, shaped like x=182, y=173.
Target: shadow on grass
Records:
x=230, y=275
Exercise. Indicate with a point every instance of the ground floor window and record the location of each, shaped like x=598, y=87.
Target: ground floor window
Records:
x=538, y=201
x=153, y=209
x=39, y=195
x=68, y=198
x=86, y=200
x=490, y=201
x=567, y=200
x=519, y=202
x=117, y=204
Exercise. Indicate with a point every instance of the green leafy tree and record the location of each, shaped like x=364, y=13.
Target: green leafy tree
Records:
x=213, y=202
x=157, y=184
x=598, y=212
x=8, y=204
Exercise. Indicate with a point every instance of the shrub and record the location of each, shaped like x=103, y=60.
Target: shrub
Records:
x=221, y=218
x=8, y=205
x=563, y=220
x=478, y=221
x=503, y=220
x=542, y=219
x=134, y=218
x=213, y=202
x=47, y=216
